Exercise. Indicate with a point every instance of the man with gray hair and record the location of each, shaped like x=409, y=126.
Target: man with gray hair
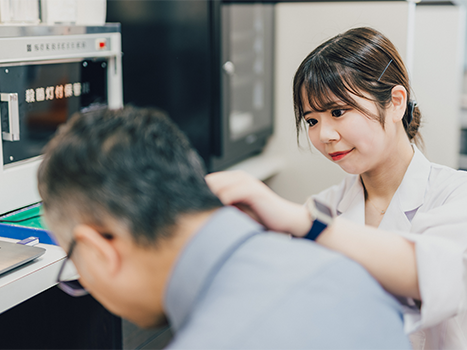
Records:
x=125, y=196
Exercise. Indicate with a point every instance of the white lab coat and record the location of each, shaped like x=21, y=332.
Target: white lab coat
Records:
x=430, y=209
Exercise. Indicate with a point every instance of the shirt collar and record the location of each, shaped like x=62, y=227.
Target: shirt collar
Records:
x=414, y=185
x=197, y=264
x=352, y=204
x=410, y=194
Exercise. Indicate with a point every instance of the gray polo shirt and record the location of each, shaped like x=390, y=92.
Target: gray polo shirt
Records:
x=236, y=286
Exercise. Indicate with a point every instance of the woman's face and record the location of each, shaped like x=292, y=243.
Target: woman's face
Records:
x=354, y=141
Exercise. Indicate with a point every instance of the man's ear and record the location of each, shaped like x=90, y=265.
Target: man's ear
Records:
x=97, y=249
x=399, y=102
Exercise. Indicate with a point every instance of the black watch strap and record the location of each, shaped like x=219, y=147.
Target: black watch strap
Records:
x=321, y=215
x=316, y=228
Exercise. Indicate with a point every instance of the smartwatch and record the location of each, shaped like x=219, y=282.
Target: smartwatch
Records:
x=321, y=215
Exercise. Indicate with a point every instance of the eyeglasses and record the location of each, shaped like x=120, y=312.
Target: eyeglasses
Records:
x=73, y=288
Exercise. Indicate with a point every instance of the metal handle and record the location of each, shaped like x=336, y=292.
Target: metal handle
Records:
x=229, y=68
x=13, y=116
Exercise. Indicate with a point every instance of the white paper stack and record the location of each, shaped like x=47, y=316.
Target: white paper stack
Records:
x=19, y=11
x=79, y=12
x=58, y=11
x=91, y=12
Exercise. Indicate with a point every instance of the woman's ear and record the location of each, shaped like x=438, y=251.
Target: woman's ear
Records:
x=96, y=251
x=399, y=102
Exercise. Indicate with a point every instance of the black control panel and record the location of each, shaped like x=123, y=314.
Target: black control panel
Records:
x=47, y=95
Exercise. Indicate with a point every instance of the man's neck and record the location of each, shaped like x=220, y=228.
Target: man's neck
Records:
x=166, y=253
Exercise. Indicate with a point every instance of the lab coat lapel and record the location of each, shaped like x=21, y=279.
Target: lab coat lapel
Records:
x=409, y=196
x=395, y=218
x=352, y=205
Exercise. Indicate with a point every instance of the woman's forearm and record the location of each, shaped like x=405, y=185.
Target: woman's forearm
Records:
x=389, y=258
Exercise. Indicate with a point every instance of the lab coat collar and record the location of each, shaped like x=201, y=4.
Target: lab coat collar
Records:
x=412, y=189
x=352, y=205
x=409, y=196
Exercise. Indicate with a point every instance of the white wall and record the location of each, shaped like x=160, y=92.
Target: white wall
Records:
x=300, y=27
x=437, y=79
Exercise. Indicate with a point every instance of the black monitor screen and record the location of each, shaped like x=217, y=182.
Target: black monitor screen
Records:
x=48, y=94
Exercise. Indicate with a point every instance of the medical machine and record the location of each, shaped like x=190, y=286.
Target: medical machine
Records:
x=48, y=73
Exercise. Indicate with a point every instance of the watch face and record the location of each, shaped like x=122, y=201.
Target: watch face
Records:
x=322, y=208
x=321, y=216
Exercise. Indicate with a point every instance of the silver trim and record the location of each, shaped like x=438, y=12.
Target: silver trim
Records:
x=48, y=30
x=13, y=116
x=53, y=61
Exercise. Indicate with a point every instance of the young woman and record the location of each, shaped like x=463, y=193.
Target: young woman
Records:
x=401, y=217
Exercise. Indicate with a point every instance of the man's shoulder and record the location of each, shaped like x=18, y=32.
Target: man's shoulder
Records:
x=273, y=284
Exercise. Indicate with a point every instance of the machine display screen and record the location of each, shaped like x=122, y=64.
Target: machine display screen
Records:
x=48, y=94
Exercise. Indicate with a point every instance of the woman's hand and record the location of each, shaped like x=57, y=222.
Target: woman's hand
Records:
x=388, y=257
x=257, y=200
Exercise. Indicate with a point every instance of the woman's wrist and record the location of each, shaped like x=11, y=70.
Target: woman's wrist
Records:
x=301, y=223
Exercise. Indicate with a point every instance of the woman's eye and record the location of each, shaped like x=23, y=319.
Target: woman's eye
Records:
x=337, y=112
x=311, y=121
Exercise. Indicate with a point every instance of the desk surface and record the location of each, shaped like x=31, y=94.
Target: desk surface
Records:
x=33, y=278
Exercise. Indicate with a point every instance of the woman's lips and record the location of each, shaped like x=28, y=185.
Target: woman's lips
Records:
x=339, y=155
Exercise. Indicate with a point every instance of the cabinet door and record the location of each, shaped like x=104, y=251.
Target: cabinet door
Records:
x=247, y=80
x=168, y=61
